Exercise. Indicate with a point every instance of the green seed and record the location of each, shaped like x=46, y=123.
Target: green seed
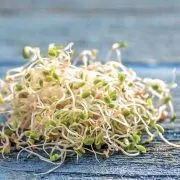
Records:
x=85, y=94
x=107, y=99
x=131, y=146
x=82, y=115
x=111, y=105
x=27, y=76
x=26, y=53
x=121, y=77
x=126, y=113
x=113, y=95
x=14, y=125
x=1, y=99
x=141, y=148
x=99, y=139
x=96, y=81
x=167, y=99
x=41, y=82
x=149, y=101
x=136, y=138
x=55, y=76
x=8, y=131
x=157, y=88
x=32, y=135
x=173, y=118
x=49, y=78
x=88, y=141
x=104, y=83
x=54, y=157
x=72, y=54
x=160, y=128
x=123, y=44
x=81, y=84
x=18, y=87
x=52, y=52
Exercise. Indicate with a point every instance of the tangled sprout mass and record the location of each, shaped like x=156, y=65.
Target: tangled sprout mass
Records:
x=53, y=108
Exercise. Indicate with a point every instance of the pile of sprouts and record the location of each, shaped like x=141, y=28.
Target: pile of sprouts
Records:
x=57, y=106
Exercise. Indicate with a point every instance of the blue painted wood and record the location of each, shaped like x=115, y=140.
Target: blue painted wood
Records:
x=151, y=27
x=161, y=161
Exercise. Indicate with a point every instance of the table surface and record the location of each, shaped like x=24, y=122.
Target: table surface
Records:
x=161, y=161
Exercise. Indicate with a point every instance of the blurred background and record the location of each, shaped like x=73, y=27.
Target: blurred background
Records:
x=152, y=28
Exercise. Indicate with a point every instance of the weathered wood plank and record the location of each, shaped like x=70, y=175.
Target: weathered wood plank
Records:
x=161, y=161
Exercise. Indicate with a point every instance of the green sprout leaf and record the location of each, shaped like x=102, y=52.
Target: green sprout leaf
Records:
x=8, y=131
x=167, y=99
x=86, y=94
x=41, y=83
x=123, y=44
x=126, y=112
x=1, y=99
x=157, y=88
x=99, y=139
x=26, y=53
x=18, y=87
x=54, y=50
x=113, y=95
x=82, y=115
x=136, y=138
x=107, y=99
x=54, y=157
x=88, y=141
x=32, y=135
x=121, y=77
x=160, y=128
x=111, y=105
x=55, y=76
x=96, y=81
x=173, y=118
x=149, y=101
x=141, y=148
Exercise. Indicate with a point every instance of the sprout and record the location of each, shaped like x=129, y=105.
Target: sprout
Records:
x=167, y=99
x=88, y=141
x=18, y=87
x=141, y=148
x=149, y=101
x=86, y=94
x=121, y=77
x=160, y=128
x=54, y=109
x=107, y=99
x=173, y=118
x=122, y=44
x=136, y=138
x=1, y=99
x=54, y=157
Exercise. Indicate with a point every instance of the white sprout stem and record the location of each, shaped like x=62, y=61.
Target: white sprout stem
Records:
x=167, y=142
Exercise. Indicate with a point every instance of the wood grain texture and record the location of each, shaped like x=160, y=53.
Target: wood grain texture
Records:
x=161, y=161
x=150, y=27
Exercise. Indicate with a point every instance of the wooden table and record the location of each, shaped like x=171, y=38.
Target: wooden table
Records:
x=161, y=161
